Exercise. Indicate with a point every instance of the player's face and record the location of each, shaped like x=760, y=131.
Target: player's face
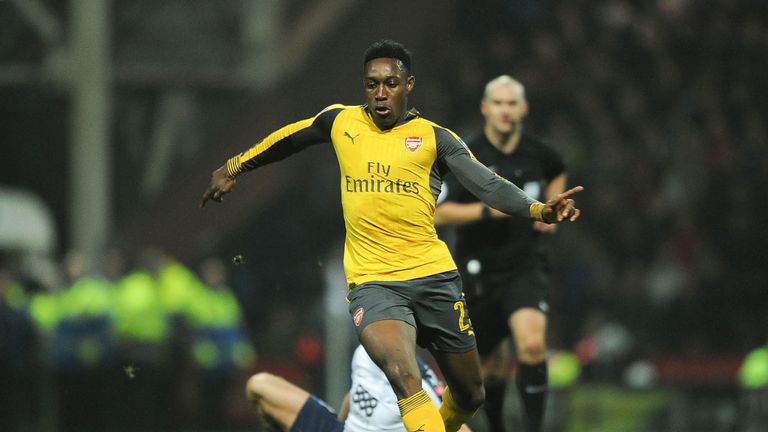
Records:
x=387, y=86
x=504, y=108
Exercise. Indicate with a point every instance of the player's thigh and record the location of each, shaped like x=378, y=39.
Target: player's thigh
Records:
x=445, y=328
x=278, y=398
x=377, y=301
x=384, y=320
x=391, y=344
x=525, y=302
x=441, y=313
x=389, y=339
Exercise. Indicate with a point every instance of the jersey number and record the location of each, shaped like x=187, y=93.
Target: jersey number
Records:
x=463, y=326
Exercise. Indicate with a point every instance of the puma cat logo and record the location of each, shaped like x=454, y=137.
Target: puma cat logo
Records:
x=352, y=138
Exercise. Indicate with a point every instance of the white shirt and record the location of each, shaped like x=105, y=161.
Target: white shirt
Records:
x=372, y=402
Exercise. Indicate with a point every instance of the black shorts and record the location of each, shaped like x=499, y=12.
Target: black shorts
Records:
x=496, y=296
x=316, y=416
x=434, y=305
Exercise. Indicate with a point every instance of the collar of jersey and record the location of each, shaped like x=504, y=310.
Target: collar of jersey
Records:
x=412, y=114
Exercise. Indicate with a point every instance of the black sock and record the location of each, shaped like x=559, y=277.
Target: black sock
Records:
x=531, y=383
x=494, y=403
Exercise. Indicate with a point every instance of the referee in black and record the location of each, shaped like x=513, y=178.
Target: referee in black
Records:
x=504, y=268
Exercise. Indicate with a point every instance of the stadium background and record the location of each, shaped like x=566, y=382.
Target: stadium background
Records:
x=114, y=113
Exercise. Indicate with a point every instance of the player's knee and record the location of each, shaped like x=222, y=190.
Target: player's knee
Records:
x=478, y=397
x=531, y=351
x=473, y=399
x=405, y=382
x=257, y=384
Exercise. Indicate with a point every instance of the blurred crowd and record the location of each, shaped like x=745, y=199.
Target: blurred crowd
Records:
x=660, y=110
x=150, y=346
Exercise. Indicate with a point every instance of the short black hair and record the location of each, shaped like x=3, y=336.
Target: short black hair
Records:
x=386, y=48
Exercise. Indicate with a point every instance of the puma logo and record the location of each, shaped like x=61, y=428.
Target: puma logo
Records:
x=352, y=138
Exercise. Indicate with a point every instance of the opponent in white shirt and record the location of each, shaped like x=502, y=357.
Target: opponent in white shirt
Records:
x=370, y=405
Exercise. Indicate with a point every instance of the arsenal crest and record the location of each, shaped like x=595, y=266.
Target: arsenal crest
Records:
x=357, y=316
x=413, y=143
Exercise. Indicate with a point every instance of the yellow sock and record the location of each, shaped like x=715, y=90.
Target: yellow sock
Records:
x=420, y=414
x=453, y=416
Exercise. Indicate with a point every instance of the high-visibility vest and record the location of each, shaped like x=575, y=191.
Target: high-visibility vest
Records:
x=83, y=335
x=87, y=297
x=44, y=311
x=215, y=308
x=178, y=288
x=220, y=341
x=139, y=314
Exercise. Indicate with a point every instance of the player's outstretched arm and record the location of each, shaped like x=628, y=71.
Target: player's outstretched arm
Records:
x=221, y=184
x=561, y=207
x=276, y=146
x=503, y=195
x=276, y=400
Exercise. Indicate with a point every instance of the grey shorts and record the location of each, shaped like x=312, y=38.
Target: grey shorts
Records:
x=434, y=305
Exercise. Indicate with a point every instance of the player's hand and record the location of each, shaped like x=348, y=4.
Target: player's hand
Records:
x=562, y=207
x=221, y=183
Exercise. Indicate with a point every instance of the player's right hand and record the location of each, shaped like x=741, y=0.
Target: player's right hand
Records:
x=562, y=207
x=221, y=183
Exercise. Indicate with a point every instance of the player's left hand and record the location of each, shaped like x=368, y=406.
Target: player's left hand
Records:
x=562, y=207
x=221, y=183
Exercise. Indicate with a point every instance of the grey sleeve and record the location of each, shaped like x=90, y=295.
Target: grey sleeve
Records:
x=493, y=190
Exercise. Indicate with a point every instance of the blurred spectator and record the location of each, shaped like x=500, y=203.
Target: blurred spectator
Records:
x=143, y=332
x=179, y=290
x=219, y=345
x=17, y=355
x=82, y=346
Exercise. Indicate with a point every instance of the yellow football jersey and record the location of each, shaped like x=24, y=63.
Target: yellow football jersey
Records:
x=388, y=202
x=389, y=184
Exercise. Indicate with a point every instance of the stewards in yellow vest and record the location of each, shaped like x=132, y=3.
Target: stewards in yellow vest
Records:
x=143, y=330
x=82, y=347
x=84, y=329
x=44, y=311
x=179, y=288
x=220, y=346
x=141, y=321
